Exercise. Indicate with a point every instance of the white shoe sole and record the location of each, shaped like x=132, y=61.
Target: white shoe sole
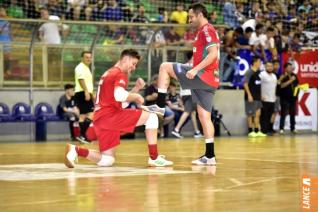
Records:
x=145, y=108
x=67, y=162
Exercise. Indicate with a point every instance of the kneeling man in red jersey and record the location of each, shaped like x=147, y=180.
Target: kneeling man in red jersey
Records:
x=111, y=118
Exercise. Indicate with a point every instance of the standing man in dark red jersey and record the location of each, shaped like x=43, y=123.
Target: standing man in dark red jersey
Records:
x=110, y=117
x=202, y=78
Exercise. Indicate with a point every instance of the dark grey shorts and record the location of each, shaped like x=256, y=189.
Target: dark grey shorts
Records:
x=188, y=104
x=202, y=94
x=252, y=107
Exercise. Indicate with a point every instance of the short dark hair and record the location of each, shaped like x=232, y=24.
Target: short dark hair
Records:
x=276, y=61
x=269, y=61
x=249, y=30
x=287, y=64
x=270, y=29
x=255, y=58
x=68, y=86
x=85, y=52
x=259, y=26
x=131, y=53
x=197, y=8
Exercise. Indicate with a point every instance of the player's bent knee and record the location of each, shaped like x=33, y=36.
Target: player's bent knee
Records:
x=152, y=121
x=106, y=160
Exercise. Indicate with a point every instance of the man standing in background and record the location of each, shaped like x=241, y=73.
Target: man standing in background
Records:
x=84, y=93
x=268, y=94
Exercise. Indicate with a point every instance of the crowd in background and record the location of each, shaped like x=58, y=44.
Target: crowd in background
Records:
x=264, y=28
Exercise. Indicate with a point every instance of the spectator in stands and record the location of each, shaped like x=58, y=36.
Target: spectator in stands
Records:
x=278, y=37
x=114, y=35
x=98, y=10
x=5, y=39
x=288, y=98
x=84, y=93
x=89, y=8
x=173, y=39
x=312, y=20
x=68, y=109
x=163, y=15
x=75, y=7
x=239, y=13
x=292, y=14
x=32, y=9
x=15, y=10
x=258, y=40
x=253, y=104
x=255, y=11
x=113, y=12
x=269, y=44
x=179, y=16
x=140, y=16
x=268, y=95
x=56, y=8
x=229, y=16
x=49, y=32
x=151, y=95
x=306, y=6
x=295, y=44
x=242, y=41
x=213, y=17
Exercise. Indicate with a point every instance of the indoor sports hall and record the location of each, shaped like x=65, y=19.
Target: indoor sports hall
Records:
x=265, y=161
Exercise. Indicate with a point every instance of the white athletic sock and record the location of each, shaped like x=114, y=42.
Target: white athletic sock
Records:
x=162, y=90
x=209, y=140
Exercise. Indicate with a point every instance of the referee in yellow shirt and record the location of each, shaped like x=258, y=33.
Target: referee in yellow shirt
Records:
x=84, y=93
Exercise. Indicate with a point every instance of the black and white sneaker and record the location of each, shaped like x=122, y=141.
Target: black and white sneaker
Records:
x=154, y=109
x=197, y=135
x=82, y=139
x=176, y=134
x=204, y=161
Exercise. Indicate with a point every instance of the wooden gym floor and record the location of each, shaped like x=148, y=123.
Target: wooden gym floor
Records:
x=260, y=174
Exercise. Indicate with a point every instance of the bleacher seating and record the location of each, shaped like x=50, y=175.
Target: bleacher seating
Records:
x=22, y=112
x=44, y=111
x=5, y=115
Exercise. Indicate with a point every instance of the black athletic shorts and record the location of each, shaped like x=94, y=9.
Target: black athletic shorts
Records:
x=83, y=105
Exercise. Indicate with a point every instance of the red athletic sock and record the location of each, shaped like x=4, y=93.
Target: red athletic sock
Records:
x=153, y=151
x=82, y=152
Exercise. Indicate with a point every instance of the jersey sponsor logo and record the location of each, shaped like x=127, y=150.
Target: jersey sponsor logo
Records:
x=208, y=39
x=257, y=82
x=122, y=82
x=194, y=49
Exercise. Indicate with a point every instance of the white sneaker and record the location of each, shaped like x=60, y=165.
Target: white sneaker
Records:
x=198, y=135
x=70, y=156
x=160, y=161
x=203, y=160
x=176, y=134
x=154, y=109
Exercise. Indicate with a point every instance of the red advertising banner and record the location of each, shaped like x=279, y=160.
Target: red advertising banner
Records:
x=306, y=66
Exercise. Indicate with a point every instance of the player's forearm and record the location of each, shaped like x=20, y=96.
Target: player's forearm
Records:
x=134, y=90
x=132, y=97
